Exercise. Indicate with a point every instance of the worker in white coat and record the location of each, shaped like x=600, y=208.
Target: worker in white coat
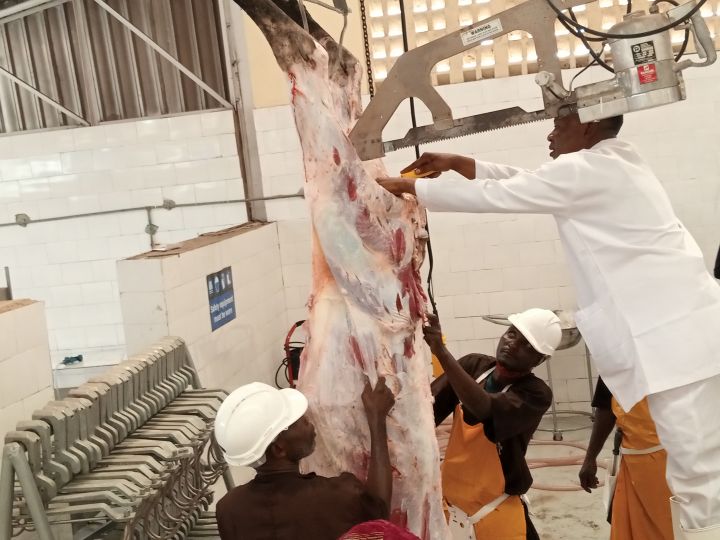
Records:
x=648, y=308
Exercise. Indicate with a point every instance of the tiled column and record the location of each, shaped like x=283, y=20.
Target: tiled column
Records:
x=25, y=371
x=165, y=293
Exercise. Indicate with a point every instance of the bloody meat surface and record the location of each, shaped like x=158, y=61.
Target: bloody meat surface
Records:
x=367, y=303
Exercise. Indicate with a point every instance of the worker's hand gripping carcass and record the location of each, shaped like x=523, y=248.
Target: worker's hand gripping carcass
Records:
x=268, y=429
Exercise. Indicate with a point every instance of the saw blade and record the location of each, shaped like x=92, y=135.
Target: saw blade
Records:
x=468, y=125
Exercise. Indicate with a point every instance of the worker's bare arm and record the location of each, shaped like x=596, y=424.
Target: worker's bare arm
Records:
x=377, y=402
x=602, y=427
x=471, y=394
x=445, y=398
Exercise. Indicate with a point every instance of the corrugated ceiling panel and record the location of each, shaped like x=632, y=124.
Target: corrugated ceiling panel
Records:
x=102, y=62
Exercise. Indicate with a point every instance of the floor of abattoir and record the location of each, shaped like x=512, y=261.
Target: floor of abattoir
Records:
x=567, y=515
x=557, y=515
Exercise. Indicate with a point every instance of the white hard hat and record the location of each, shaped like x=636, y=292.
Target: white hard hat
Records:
x=250, y=419
x=541, y=327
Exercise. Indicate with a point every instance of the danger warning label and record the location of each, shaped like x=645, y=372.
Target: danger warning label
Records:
x=647, y=73
x=484, y=31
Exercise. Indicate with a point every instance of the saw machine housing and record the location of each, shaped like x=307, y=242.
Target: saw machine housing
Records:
x=646, y=74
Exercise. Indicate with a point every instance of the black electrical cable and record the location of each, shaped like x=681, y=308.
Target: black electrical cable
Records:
x=585, y=68
x=283, y=364
x=686, y=39
x=403, y=26
x=606, y=35
x=597, y=59
x=431, y=263
x=585, y=41
x=413, y=119
x=671, y=2
x=581, y=34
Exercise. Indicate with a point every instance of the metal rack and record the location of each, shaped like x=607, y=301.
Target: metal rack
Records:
x=129, y=454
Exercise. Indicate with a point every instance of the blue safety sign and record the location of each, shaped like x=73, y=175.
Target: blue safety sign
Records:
x=221, y=298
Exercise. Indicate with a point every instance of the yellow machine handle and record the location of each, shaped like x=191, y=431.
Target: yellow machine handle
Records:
x=413, y=174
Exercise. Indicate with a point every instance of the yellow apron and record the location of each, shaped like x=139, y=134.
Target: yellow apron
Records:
x=473, y=482
x=641, y=506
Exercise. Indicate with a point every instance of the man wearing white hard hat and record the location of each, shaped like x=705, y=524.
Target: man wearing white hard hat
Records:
x=497, y=404
x=265, y=428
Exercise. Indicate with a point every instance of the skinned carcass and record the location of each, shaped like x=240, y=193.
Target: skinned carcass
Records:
x=367, y=304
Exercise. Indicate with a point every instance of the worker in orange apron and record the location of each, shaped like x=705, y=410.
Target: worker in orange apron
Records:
x=497, y=404
x=639, y=504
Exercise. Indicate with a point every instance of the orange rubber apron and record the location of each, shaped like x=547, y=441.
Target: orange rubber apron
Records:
x=474, y=486
x=641, y=505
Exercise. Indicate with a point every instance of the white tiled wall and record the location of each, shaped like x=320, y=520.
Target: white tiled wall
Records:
x=70, y=264
x=168, y=296
x=25, y=371
x=504, y=263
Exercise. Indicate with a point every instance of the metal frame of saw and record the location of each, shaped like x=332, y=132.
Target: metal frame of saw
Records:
x=410, y=77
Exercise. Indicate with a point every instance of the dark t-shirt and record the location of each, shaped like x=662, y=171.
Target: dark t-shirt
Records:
x=292, y=506
x=602, y=398
x=514, y=417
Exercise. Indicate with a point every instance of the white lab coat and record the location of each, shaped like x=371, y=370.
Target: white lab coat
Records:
x=648, y=308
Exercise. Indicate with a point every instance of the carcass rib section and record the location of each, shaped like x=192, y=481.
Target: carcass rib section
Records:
x=366, y=311
x=367, y=303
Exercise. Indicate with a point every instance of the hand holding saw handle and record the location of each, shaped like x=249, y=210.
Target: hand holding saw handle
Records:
x=431, y=165
x=428, y=165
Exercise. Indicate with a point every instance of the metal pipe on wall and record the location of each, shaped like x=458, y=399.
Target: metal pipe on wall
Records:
x=168, y=205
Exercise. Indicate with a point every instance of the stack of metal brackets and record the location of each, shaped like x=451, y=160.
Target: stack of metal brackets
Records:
x=129, y=455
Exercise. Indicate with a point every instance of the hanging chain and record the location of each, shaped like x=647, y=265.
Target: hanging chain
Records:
x=366, y=38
